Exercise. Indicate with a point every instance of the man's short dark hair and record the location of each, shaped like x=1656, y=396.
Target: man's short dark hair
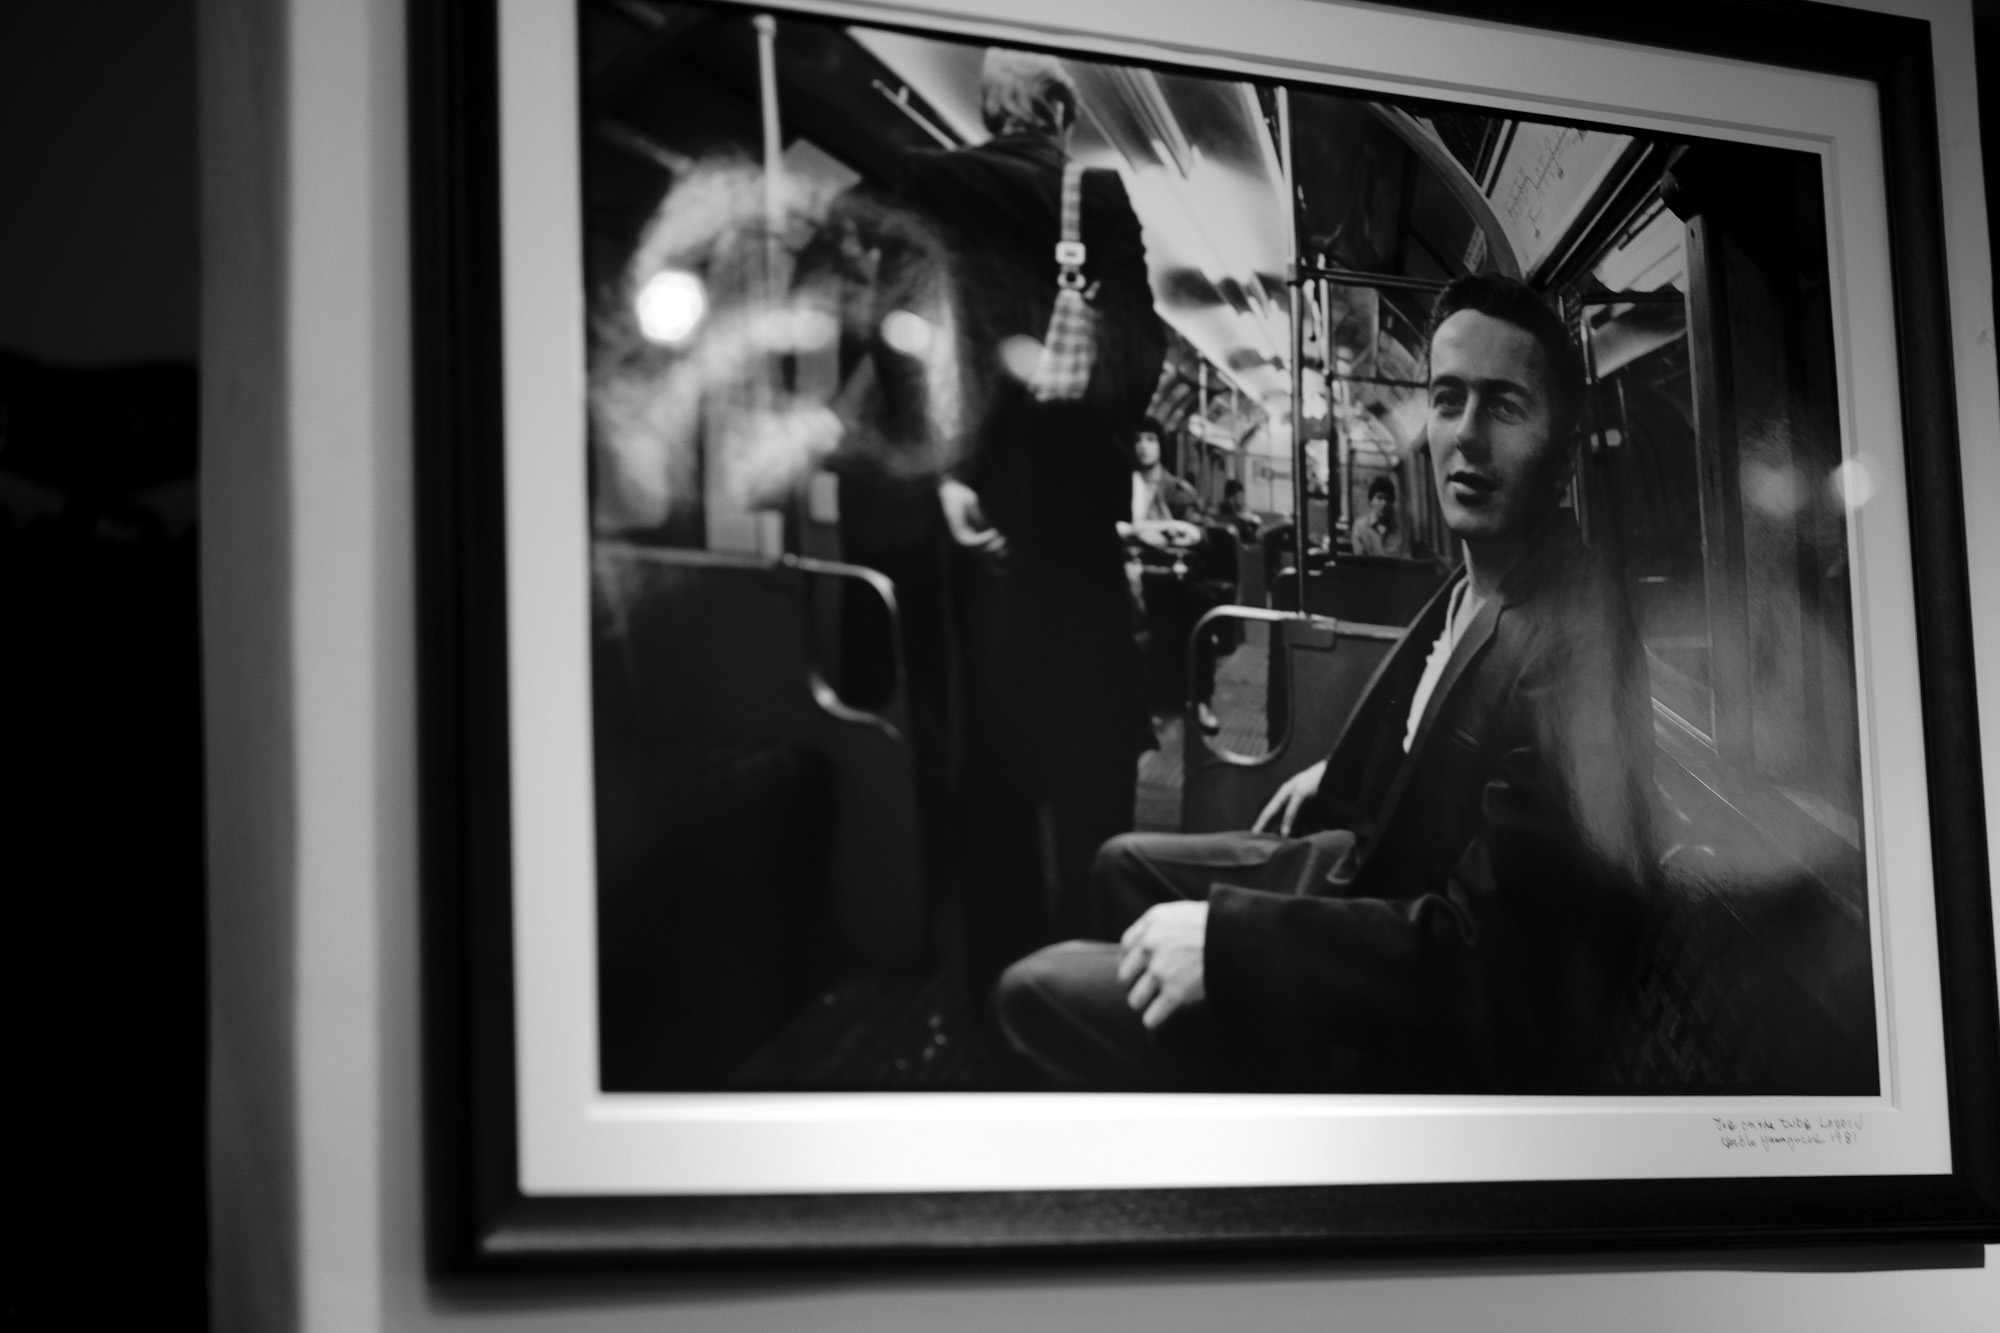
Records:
x=1384, y=487
x=1231, y=487
x=1515, y=302
x=1150, y=426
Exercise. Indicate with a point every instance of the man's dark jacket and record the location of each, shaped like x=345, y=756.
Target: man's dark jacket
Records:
x=1479, y=934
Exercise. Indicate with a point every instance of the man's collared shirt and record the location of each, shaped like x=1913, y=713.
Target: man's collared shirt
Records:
x=1464, y=606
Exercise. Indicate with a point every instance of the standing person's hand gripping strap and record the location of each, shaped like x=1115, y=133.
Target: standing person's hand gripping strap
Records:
x=1063, y=372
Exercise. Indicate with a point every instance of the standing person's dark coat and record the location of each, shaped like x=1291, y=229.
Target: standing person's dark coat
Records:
x=1052, y=709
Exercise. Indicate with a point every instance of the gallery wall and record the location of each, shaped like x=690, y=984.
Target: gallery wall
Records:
x=309, y=634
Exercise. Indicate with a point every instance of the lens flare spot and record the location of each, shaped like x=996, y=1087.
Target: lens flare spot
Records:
x=1852, y=483
x=670, y=306
x=813, y=329
x=907, y=333
x=796, y=330
x=1776, y=491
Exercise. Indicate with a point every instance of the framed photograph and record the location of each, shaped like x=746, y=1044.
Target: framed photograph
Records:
x=1081, y=626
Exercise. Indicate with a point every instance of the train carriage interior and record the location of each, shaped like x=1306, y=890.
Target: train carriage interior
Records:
x=776, y=724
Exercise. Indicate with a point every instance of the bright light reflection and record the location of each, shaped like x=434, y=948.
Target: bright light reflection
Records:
x=907, y=333
x=1776, y=491
x=1853, y=484
x=796, y=330
x=670, y=306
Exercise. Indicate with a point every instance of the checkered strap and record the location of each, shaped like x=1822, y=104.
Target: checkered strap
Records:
x=1069, y=246
x=1070, y=349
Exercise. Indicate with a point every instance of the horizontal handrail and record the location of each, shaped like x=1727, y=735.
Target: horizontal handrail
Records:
x=1353, y=629
x=823, y=693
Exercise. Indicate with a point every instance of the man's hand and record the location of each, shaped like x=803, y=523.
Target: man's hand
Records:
x=1162, y=960
x=1283, y=807
x=966, y=520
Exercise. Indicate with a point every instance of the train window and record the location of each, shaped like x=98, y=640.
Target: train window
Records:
x=1713, y=468
x=1642, y=471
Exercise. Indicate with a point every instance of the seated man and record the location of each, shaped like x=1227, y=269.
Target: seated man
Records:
x=1448, y=901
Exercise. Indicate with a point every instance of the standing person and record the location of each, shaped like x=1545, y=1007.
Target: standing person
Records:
x=1165, y=542
x=1450, y=900
x=1053, y=717
x=1381, y=532
x=1157, y=494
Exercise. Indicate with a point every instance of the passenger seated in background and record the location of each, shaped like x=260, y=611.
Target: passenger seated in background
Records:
x=1381, y=531
x=1236, y=511
x=1448, y=901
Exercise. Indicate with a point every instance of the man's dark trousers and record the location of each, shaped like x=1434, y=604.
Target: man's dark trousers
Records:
x=1065, y=1008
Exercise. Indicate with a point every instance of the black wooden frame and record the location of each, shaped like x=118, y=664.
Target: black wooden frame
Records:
x=480, y=1221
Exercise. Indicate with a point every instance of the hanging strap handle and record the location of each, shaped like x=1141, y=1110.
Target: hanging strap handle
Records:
x=1069, y=250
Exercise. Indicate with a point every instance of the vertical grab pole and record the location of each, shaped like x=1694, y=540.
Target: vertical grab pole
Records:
x=1208, y=450
x=770, y=524
x=1239, y=467
x=1292, y=287
x=774, y=157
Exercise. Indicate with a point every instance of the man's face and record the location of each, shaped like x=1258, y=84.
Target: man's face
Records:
x=1494, y=453
x=1378, y=504
x=1147, y=448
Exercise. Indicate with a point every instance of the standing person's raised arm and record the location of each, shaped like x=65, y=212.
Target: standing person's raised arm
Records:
x=1132, y=342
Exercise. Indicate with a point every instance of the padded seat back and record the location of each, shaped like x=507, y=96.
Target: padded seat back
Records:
x=697, y=647
x=1318, y=670
x=1368, y=589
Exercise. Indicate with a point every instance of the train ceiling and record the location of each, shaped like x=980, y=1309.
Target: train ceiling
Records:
x=1416, y=197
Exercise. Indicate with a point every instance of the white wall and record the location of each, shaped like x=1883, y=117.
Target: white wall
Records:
x=309, y=637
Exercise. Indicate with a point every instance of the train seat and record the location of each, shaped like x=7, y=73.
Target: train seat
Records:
x=1376, y=596
x=1367, y=589
x=789, y=817
x=1319, y=668
x=1177, y=590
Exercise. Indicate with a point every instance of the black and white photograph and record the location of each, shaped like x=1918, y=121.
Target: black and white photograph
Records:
x=1116, y=577
x=1068, y=624
x=1294, y=665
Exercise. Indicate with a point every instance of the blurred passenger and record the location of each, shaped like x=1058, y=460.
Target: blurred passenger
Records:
x=1381, y=532
x=1165, y=569
x=1157, y=495
x=1053, y=718
x=1171, y=577
x=1236, y=510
